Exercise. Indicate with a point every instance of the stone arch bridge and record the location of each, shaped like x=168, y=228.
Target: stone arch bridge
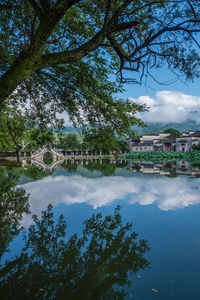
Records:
x=38, y=158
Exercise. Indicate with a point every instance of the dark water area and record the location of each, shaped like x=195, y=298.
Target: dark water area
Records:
x=140, y=239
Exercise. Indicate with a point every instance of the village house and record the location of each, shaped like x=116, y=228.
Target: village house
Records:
x=162, y=142
x=146, y=142
x=185, y=142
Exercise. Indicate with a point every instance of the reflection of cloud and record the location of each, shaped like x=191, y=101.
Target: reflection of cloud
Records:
x=166, y=193
x=170, y=106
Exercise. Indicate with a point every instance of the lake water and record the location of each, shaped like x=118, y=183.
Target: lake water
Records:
x=161, y=200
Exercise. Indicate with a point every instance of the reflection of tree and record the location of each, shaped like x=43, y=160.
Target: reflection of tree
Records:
x=94, y=266
x=34, y=173
x=105, y=167
x=70, y=166
x=172, y=174
x=13, y=203
x=47, y=158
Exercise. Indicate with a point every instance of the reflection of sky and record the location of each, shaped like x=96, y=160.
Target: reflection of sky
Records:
x=166, y=193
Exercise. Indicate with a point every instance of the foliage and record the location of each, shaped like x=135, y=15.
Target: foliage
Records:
x=17, y=135
x=196, y=147
x=105, y=140
x=47, y=158
x=70, y=166
x=69, y=142
x=13, y=204
x=193, y=156
x=93, y=266
x=105, y=167
x=174, y=133
x=34, y=173
x=63, y=55
x=13, y=132
x=39, y=137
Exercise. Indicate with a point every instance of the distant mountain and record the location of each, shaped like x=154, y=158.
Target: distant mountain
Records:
x=160, y=127
x=154, y=127
x=70, y=129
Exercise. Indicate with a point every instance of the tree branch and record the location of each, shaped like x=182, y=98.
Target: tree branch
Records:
x=36, y=8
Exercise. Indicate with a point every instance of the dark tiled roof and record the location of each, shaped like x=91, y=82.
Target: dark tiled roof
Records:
x=169, y=140
x=151, y=134
x=146, y=143
x=195, y=134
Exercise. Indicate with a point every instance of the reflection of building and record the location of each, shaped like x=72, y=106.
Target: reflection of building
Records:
x=165, y=168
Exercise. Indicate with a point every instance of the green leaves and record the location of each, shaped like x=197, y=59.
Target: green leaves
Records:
x=74, y=58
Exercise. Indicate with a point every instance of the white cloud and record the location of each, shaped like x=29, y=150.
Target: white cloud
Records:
x=102, y=191
x=65, y=116
x=170, y=106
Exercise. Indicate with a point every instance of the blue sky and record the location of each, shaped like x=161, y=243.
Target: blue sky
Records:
x=174, y=103
x=177, y=102
x=162, y=75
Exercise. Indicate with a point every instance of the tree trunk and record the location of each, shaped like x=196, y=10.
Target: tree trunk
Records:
x=18, y=155
x=14, y=76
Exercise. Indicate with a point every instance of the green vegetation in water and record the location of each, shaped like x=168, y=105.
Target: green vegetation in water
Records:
x=104, y=166
x=47, y=158
x=193, y=156
x=9, y=163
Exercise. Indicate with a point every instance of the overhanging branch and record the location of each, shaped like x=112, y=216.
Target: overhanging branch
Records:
x=36, y=8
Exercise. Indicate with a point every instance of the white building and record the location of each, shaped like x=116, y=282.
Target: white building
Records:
x=162, y=142
x=143, y=146
x=154, y=137
x=185, y=142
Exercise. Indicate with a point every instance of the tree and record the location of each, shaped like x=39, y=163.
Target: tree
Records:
x=104, y=140
x=13, y=131
x=16, y=132
x=33, y=173
x=59, y=54
x=196, y=147
x=174, y=133
x=39, y=137
x=106, y=167
x=69, y=142
x=94, y=266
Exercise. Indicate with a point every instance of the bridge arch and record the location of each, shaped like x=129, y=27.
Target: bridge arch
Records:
x=38, y=157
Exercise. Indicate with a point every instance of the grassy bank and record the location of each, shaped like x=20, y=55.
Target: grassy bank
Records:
x=193, y=156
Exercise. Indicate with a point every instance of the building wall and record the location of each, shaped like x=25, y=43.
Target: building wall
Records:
x=183, y=144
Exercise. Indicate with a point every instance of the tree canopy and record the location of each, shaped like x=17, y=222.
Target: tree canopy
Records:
x=174, y=133
x=16, y=133
x=61, y=55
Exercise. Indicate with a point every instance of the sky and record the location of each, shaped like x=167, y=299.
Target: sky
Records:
x=177, y=102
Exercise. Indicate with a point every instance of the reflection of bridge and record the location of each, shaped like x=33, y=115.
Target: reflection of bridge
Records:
x=38, y=158
x=50, y=167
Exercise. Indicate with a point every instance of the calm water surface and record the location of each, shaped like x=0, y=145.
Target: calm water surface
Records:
x=162, y=201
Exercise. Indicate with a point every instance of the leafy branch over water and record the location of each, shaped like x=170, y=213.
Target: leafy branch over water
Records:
x=96, y=265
